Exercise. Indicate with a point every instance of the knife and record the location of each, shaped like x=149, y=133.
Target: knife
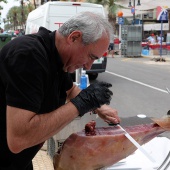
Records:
x=137, y=144
x=124, y=169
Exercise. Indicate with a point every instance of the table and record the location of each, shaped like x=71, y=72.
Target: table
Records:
x=158, y=148
x=154, y=46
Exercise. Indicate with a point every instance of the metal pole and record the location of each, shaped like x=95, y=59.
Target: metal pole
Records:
x=142, y=28
x=120, y=38
x=78, y=75
x=134, y=12
x=161, y=38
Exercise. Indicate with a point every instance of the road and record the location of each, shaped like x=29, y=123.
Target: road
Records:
x=139, y=87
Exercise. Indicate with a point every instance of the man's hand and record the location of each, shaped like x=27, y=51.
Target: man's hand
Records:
x=108, y=114
x=92, y=97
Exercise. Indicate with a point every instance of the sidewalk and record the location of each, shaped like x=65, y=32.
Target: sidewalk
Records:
x=152, y=57
x=42, y=160
x=155, y=54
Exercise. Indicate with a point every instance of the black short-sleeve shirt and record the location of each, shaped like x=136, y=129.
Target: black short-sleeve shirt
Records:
x=31, y=78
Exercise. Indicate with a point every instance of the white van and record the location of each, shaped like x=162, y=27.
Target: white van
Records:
x=52, y=15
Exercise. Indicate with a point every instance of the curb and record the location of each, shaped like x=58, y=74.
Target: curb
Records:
x=166, y=57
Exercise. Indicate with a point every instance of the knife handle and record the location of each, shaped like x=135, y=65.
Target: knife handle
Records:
x=113, y=124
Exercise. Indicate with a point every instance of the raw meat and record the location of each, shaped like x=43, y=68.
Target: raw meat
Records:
x=106, y=146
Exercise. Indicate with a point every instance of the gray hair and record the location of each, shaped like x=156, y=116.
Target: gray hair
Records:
x=92, y=25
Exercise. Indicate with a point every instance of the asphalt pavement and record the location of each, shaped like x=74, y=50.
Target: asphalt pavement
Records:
x=134, y=120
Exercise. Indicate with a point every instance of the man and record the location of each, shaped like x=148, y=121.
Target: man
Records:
x=151, y=39
x=38, y=97
x=111, y=46
x=160, y=39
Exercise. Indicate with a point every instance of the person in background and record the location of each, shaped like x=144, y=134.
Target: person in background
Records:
x=160, y=38
x=38, y=96
x=105, y=54
x=151, y=39
x=111, y=46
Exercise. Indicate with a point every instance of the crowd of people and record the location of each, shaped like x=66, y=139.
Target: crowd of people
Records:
x=155, y=39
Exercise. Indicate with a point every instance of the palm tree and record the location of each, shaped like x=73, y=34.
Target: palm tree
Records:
x=7, y=26
x=13, y=15
x=1, y=6
x=5, y=1
x=112, y=9
x=34, y=4
x=0, y=12
x=17, y=16
x=24, y=13
x=29, y=8
x=4, y=21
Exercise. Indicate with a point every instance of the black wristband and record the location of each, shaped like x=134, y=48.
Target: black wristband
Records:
x=81, y=108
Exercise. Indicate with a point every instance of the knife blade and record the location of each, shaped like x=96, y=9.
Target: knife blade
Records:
x=137, y=144
x=124, y=168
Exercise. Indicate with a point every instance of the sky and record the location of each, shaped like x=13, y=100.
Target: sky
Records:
x=6, y=8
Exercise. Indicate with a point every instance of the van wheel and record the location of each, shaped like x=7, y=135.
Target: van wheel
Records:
x=93, y=76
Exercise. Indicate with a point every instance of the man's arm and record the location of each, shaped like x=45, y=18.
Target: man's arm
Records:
x=26, y=128
x=108, y=114
x=105, y=112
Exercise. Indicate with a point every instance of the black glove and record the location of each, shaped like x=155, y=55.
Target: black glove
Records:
x=92, y=97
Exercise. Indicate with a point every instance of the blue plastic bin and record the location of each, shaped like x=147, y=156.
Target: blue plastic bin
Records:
x=145, y=52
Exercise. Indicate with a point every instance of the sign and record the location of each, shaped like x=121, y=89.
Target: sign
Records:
x=161, y=13
x=133, y=10
x=121, y=20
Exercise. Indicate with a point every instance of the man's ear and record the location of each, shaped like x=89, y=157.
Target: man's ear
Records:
x=75, y=36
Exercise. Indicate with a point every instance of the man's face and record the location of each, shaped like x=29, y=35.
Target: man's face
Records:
x=81, y=56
